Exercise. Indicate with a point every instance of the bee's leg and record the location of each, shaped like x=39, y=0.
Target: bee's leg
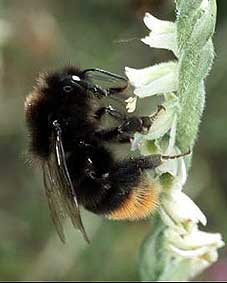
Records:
x=123, y=132
x=130, y=125
x=112, y=135
x=116, y=114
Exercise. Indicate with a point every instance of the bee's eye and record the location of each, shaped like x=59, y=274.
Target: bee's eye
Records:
x=75, y=78
x=67, y=88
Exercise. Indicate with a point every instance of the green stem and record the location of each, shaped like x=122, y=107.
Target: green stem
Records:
x=153, y=253
x=195, y=27
x=196, y=54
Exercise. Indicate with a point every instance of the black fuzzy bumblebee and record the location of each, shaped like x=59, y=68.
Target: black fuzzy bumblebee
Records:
x=64, y=115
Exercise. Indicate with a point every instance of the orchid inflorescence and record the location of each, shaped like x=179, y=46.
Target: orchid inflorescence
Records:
x=174, y=130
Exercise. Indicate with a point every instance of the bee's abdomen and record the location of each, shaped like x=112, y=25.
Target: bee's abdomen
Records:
x=126, y=194
x=139, y=203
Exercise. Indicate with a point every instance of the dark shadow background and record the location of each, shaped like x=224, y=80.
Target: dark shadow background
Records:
x=42, y=35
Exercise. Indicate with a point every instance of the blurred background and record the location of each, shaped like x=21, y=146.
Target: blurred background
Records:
x=40, y=35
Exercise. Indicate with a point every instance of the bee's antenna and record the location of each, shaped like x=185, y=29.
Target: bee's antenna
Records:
x=176, y=156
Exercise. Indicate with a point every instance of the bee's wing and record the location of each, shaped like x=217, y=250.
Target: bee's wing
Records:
x=60, y=193
x=109, y=82
x=54, y=199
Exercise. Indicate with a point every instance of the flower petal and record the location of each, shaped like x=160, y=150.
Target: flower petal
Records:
x=156, y=25
x=162, y=41
x=182, y=209
x=182, y=172
x=172, y=136
x=169, y=166
x=165, y=120
x=163, y=33
x=198, y=258
x=170, y=222
x=189, y=253
x=158, y=79
x=194, y=240
x=177, y=169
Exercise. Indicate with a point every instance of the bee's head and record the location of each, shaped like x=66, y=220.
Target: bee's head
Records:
x=65, y=84
x=53, y=97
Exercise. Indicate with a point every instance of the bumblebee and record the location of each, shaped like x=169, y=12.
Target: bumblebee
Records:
x=66, y=135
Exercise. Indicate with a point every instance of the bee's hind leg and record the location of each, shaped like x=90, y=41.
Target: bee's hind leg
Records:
x=127, y=192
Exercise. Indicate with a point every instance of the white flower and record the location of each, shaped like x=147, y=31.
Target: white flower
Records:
x=158, y=79
x=199, y=248
x=181, y=216
x=182, y=209
x=163, y=33
x=197, y=242
x=165, y=121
